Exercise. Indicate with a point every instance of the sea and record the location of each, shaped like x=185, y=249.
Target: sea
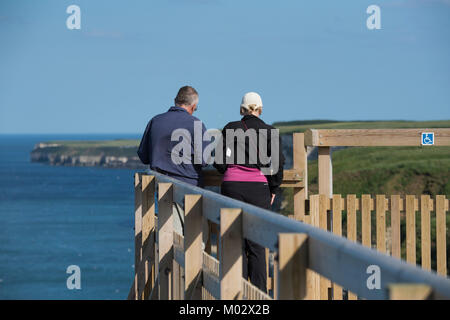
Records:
x=65, y=232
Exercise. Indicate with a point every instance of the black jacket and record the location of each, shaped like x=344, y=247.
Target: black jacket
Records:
x=246, y=123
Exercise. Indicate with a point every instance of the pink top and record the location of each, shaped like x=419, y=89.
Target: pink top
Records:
x=240, y=173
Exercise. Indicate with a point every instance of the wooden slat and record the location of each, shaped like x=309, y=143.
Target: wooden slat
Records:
x=441, y=229
x=231, y=254
x=268, y=279
x=410, y=229
x=211, y=276
x=313, y=279
x=300, y=163
x=176, y=279
x=395, y=226
x=373, y=137
x=251, y=292
x=351, y=227
x=337, y=229
x=193, y=251
x=165, y=239
x=275, y=279
x=325, y=284
x=381, y=223
x=293, y=263
x=425, y=231
x=366, y=220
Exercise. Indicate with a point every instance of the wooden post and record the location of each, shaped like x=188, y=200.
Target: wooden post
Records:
x=230, y=254
x=351, y=227
x=325, y=172
x=441, y=228
x=410, y=229
x=193, y=252
x=148, y=234
x=165, y=239
x=137, y=233
x=300, y=162
x=337, y=230
x=425, y=231
x=293, y=263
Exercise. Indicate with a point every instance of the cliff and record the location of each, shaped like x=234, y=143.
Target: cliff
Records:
x=92, y=153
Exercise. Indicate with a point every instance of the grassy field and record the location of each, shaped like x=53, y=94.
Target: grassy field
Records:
x=385, y=170
x=93, y=144
x=116, y=148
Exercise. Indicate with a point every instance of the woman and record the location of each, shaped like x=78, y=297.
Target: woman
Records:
x=251, y=179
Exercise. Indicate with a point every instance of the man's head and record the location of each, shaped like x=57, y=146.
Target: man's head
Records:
x=187, y=98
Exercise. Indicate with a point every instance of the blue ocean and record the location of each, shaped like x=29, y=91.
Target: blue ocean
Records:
x=52, y=217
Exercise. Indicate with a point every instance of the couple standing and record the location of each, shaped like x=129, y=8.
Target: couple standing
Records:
x=242, y=180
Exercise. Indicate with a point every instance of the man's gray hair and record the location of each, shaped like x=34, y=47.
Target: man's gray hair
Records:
x=186, y=96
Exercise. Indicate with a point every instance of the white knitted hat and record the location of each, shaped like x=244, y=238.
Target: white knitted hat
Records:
x=251, y=101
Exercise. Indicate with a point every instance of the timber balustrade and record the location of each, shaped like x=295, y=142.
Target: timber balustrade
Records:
x=316, y=253
x=308, y=258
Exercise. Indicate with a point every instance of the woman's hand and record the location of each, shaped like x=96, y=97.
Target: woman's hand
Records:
x=273, y=198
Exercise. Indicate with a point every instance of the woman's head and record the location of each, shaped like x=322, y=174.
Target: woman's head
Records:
x=251, y=104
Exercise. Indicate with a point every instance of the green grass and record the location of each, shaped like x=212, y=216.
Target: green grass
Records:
x=384, y=170
x=388, y=171
x=99, y=143
x=117, y=148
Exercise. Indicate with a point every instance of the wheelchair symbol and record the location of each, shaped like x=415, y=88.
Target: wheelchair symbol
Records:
x=427, y=138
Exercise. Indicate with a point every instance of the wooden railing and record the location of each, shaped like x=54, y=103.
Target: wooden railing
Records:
x=309, y=261
x=348, y=217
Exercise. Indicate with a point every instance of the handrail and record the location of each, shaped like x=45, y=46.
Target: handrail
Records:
x=340, y=260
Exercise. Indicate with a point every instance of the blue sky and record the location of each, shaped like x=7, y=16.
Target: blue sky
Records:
x=307, y=59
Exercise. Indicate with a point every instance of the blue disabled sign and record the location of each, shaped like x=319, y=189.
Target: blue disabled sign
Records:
x=427, y=138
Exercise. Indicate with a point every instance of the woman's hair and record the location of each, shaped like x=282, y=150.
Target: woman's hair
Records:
x=250, y=108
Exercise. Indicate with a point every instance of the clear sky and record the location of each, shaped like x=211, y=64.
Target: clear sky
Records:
x=308, y=59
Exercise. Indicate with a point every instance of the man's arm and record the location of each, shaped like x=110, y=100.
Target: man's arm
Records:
x=144, y=150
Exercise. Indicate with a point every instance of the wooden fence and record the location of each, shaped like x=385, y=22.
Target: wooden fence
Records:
x=382, y=223
x=309, y=263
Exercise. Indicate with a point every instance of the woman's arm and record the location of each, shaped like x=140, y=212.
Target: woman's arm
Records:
x=219, y=163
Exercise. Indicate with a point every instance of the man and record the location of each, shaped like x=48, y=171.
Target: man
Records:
x=156, y=146
x=158, y=150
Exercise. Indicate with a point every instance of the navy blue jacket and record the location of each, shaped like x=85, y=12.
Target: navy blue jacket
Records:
x=156, y=146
